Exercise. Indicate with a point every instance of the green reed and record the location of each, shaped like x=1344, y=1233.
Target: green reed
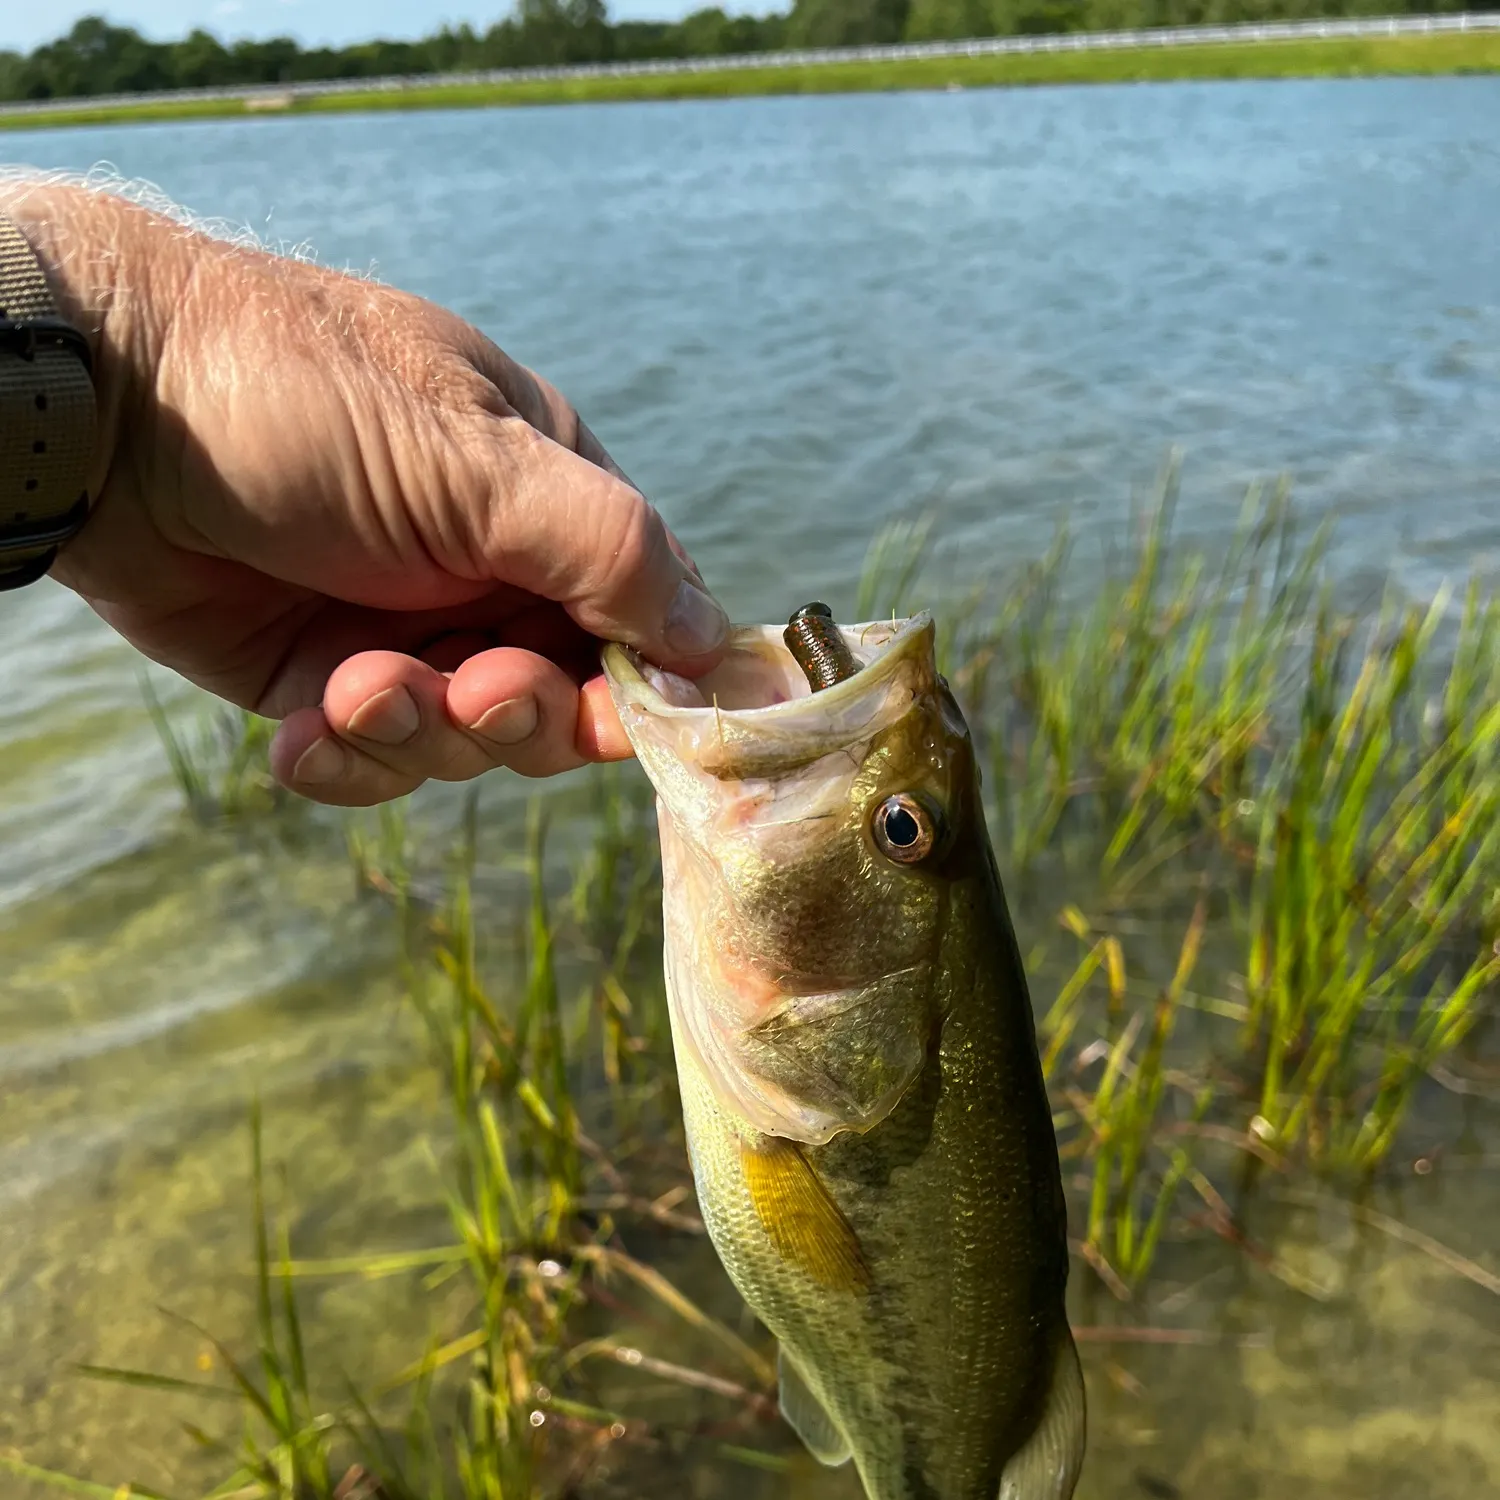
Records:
x=1124, y=1127
x=285, y=1450
x=383, y=858
x=615, y=909
x=1195, y=723
x=66, y=1484
x=1183, y=726
x=1143, y=713
x=536, y=1205
x=536, y=1201
x=1370, y=945
x=219, y=761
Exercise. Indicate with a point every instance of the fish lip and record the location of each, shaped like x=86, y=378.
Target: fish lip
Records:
x=904, y=640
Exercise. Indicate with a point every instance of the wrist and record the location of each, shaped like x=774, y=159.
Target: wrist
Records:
x=94, y=251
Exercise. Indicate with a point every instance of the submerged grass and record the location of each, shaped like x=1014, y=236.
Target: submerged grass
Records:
x=1342, y=57
x=1267, y=831
x=219, y=761
x=285, y=1446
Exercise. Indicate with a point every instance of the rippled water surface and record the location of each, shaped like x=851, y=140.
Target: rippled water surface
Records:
x=789, y=320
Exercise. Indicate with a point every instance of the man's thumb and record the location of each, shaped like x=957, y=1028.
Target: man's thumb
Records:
x=568, y=530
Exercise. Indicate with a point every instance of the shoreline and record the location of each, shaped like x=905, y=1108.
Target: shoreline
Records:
x=1474, y=53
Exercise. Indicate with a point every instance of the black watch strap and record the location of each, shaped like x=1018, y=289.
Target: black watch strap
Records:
x=48, y=417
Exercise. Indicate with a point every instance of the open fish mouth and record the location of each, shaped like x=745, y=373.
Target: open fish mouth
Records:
x=756, y=714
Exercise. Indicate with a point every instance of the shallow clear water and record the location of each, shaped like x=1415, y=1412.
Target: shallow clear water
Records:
x=789, y=320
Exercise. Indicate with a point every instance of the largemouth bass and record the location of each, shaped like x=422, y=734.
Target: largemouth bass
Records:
x=869, y=1131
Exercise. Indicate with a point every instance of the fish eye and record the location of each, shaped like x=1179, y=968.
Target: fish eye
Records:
x=906, y=829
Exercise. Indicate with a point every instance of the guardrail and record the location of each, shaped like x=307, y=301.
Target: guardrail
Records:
x=1071, y=41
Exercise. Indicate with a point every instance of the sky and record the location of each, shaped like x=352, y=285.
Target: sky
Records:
x=24, y=24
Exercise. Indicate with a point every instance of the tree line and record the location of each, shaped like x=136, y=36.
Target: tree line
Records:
x=96, y=57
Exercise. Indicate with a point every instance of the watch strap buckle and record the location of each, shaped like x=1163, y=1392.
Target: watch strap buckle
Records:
x=25, y=337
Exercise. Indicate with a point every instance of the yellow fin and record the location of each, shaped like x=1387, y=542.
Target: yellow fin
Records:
x=800, y=1218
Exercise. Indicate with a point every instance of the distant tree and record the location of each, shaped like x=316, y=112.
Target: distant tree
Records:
x=394, y=59
x=12, y=71
x=764, y=33
x=453, y=51
x=322, y=62
x=845, y=23
x=555, y=32
x=702, y=33
x=635, y=41
x=96, y=58
x=265, y=62
x=712, y=33
x=939, y=20
x=200, y=61
x=1043, y=17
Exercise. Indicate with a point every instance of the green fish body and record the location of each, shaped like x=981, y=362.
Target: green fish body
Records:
x=865, y=1111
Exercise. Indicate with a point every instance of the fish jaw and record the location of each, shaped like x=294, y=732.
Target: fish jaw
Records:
x=804, y=1008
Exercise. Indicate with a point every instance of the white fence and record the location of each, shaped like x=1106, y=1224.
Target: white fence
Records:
x=1073, y=41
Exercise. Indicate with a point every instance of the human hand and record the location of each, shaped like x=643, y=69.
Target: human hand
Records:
x=343, y=507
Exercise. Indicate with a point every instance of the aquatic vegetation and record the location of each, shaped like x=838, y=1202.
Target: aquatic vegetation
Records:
x=1370, y=951
x=285, y=1449
x=1142, y=715
x=1201, y=749
x=219, y=762
x=1193, y=729
x=1116, y=1126
x=501, y=1403
x=536, y=1288
x=534, y=1201
x=1253, y=844
x=381, y=857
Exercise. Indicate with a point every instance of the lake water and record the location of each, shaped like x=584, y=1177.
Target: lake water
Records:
x=789, y=320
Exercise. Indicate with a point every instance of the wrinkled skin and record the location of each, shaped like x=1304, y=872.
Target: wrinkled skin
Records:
x=868, y=1125
x=343, y=507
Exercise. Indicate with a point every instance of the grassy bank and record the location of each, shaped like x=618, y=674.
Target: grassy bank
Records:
x=1335, y=58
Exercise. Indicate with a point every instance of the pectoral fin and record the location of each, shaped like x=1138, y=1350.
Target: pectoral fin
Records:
x=1046, y=1467
x=801, y=1220
x=808, y=1418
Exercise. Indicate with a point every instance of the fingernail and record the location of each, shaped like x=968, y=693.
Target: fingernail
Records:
x=696, y=624
x=508, y=723
x=323, y=761
x=389, y=718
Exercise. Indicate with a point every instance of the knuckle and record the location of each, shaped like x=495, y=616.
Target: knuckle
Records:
x=631, y=547
x=459, y=758
x=519, y=456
